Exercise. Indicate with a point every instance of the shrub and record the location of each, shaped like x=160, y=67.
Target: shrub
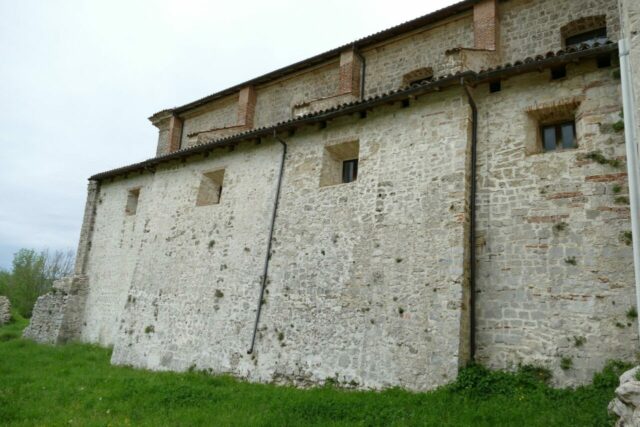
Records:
x=609, y=377
x=566, y=363
x=579, y=341
x=479, y=382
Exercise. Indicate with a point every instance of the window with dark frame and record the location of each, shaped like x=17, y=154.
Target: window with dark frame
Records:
x=560, y=136
x=495, y=86
x=339, y=163
x=349, y=171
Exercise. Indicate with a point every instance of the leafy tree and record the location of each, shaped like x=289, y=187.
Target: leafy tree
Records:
x=32, y=275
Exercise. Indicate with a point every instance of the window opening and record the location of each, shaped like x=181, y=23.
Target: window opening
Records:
x=560, y=136
x=558, y=72
x=132, y=201
x=349, y=171
x=210, y=190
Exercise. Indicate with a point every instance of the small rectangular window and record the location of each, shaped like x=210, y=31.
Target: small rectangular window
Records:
x=495, y=86
x=349, y=171
x=340, y=163
x=559, y=136
x=604, y=61
x=558, y=72
x=210, y=190
x=132, y=201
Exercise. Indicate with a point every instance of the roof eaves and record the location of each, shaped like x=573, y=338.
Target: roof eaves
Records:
x=519, y=67
x=325, y=56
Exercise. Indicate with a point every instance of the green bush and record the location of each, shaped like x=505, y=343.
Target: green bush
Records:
x=609, y=377
x=479, y=382
x=32, y=275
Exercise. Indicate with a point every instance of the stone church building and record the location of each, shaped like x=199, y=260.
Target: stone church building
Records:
x=454, y=188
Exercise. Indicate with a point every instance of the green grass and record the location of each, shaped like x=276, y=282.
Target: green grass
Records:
x=75, y=385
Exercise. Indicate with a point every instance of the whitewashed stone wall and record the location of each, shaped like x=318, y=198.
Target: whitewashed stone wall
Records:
x=367, y=279
x=534, y=305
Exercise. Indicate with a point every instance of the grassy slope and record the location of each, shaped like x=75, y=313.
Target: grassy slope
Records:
x=75, y=385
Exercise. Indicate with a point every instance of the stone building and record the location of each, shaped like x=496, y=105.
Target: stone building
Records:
x=449, y=189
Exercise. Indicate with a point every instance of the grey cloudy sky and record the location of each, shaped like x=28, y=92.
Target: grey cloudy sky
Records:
x=79, y=78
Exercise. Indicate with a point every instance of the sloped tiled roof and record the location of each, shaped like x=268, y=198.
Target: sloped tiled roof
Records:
x=539, y=62
x=363, y=42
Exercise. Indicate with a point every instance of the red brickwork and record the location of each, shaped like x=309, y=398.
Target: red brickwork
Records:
x=246, y=106
x=175, y=133
x=485, y=24
x=350, y=66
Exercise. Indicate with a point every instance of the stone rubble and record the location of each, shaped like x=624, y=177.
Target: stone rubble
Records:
x=626, y=404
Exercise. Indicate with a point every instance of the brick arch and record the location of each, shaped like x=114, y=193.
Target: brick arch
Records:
x=582, y=25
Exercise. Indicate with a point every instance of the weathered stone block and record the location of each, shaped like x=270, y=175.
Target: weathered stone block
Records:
x=5, y=310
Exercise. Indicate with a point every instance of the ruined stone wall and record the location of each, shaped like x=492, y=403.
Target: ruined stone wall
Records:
x=529, y=28
x=367, y=279
x=555, y=278
x=57, y=316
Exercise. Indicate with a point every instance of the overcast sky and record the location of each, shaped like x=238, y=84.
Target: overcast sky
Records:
x=78, y=80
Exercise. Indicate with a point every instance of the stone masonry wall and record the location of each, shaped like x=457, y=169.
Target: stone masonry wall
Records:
x=526, y=28
x=367, y=280
x=57, y=316
x=555, y=280
x=532, y=27
x=120, y=242
x=388, y=63
x=630, y=14
x=363, y=275
x=219, y=114
x=275, y=102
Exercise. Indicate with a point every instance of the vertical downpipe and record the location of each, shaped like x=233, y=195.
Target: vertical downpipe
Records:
x=631, y=143
x=472, y=223
x=267, y=258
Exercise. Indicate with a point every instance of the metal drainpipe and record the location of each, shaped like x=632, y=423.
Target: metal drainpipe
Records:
x=632, y=158
x=267, y=258
x=472, y=223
